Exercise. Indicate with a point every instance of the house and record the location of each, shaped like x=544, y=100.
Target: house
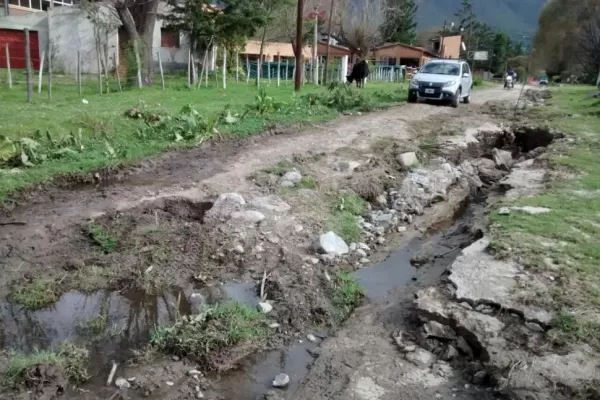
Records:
x=401, y=54
x=446, y=46
x=69, y=32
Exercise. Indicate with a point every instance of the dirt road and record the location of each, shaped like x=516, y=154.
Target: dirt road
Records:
x=51, y=214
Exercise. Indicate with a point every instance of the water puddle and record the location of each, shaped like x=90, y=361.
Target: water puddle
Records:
x=255, y=377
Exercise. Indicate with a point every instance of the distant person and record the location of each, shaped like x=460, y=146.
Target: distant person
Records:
x=512, y=74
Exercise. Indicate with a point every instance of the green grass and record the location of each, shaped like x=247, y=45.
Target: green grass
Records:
x=102, y=238
x=71, y=359
x=103, y=120
x=348, y=293
x=212, y=333
x=343, y=218
x=36, y=294
x=564, y=242
x=307, y=182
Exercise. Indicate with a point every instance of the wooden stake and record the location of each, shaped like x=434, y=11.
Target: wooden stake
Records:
x=224, y=67
x=287, y=66
x=162, y=76
x=247, y=70
x=237, y=67
x=112, y=373
x=8, y=67
x=204, y=61
x=49, y=71
x=189, y=71
x=40, y=76
x=28, y=66
x=119, y=78
x=79, y=72
x=269, y=72
x=278, y=69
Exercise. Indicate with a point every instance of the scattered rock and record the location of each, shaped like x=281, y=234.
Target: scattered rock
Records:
x=194, y=372
x=534, y=327
x=353, y=247
x=503, y=159
x=249, y=216
x=270, y=203
x=265, y=307
x=311, y=338
x=450, y=353
x=401, y=229
x=462, y=344
x=225, y=204
x=281, y=381
x=364, y=260
x=287, y=184
x=292, y=176
x=238, y=249
x=479, y=377
x=380, y=240
x=274, y=325
x=169, y=383
x=330, y=243
x=122, y=383
x=364, y=247
x=504, y=211
x=408, y=159
x=421, y=358
x=175, y=358
x=361, y=252
x=532, y=210
x=442, y=369
x=436, y=330
x=381, y=200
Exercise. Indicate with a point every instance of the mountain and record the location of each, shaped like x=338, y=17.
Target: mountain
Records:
x=518, y=18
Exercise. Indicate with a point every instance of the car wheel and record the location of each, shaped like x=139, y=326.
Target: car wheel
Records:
x=456, y=99
x=467, y=99
x=412, y=97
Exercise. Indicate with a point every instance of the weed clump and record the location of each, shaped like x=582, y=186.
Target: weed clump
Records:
x=102, y=238
x=70, y=362
x=36, y=294
x=343, y=220
x=348, y=293
x=211, y=335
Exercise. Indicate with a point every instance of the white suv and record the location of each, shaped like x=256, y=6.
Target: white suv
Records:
x=442, y=80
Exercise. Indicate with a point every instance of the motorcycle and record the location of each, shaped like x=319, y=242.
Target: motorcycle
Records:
x=509, y=83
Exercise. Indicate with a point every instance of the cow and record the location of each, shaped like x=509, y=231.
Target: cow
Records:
x=359, y=73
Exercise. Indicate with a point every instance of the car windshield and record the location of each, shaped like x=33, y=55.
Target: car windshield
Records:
x=441, y=69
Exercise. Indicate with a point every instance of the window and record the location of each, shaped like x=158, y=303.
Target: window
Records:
x=169, y=39
x=441, y=68
x=391, y=61
x=466, y=69
x=383, y=60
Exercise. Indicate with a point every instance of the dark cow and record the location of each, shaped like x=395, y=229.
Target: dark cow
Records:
x=359, y=73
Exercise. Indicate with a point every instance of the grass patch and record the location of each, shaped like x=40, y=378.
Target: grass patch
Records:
x=71, y=359
x=212, y=333
x=102, y=238
x=348, y=293
x=36, y=294
x=564, y=242
x=343, y=219
x=307, y=182
x=87, y=137
x=280, y=168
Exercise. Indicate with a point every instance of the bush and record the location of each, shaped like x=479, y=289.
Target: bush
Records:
x=477, y=81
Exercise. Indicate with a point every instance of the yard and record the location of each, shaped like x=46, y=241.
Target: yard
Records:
x=96, y=132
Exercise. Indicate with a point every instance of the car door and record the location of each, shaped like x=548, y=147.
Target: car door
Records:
x=467, y=80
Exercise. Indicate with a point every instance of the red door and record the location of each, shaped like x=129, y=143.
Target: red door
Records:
x=16, y=48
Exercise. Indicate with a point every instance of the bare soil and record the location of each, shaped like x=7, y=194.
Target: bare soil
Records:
x=155, y=215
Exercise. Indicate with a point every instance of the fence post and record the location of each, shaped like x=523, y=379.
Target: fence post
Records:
x=269, y=72
x=287, y=66
x=79, y=72
x=40, y=75
x=8, y=67
x=162, y=75
x=119, y=78
x=189, y=69
x=224, y=67
x=28, y=66
x=237, y=67
x=49, y=70
x=247, y=70
x=278, y=69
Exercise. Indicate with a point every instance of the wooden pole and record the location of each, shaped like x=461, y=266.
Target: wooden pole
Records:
x=224, y=67
x=28, y=66
x=162, y=75
x=247, y=70
x=278, y=69
x=79, y=73
x=299, y=26
x=287, y=68
x=194, y=75
x=41, y=73
x=189, y=69
x=237, y=67
x=204, y=61
x=8, y=67
x=269, y=72
x=117, y=72
x=51, y=6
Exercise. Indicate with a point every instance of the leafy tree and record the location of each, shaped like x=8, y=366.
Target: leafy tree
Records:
x=466, y=16
x=400, y=21
x=499, y=55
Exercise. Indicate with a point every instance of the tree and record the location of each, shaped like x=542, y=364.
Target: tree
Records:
x=499, y=54
x=588, y=45
x=467, y=22
x=361, y=23
x=400, y=21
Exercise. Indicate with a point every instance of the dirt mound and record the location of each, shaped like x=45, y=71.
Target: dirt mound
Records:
x=44, y=381
x=537, y=96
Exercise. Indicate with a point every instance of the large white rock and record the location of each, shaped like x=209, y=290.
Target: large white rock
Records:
x=408, y=159
x=292, y=176
x=281, y=381
x=248, y=216
x=270, y=203
x=330, y=243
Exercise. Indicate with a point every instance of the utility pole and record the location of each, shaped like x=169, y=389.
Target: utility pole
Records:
x=331, y=10
x=315, y=55
x=471, y=15
x=299, y=22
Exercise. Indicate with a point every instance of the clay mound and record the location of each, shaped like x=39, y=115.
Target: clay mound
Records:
x=47, y=381
x=537, y=96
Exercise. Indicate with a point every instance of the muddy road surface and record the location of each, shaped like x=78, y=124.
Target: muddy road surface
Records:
x=145, y=244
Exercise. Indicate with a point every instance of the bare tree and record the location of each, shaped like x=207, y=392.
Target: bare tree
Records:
x=589, y=41
x=361, y=23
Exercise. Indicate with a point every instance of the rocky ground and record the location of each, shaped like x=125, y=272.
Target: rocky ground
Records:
x=283, y=213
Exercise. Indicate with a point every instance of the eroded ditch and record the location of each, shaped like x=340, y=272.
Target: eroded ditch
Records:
x=183, y=219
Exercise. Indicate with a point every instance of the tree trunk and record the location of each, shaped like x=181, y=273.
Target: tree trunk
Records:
x=260, y=55
x=328, y=42
x=129, y=25
x=147, y=31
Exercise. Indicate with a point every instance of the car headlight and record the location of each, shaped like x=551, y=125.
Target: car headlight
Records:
x=449, y=83
x=414, y=82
